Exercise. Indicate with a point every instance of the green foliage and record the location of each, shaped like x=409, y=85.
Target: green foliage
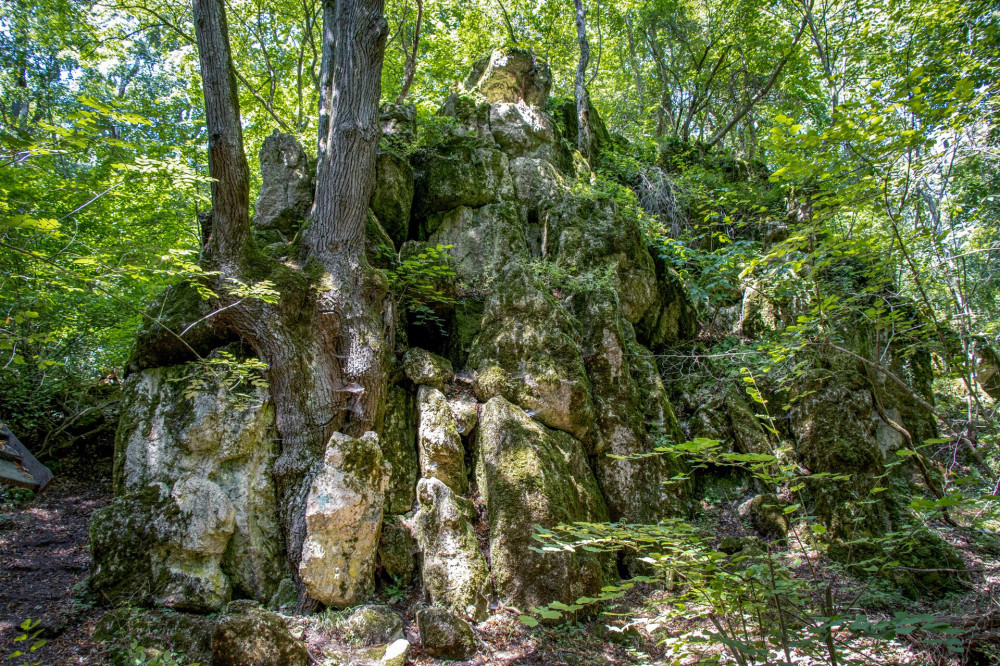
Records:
x=422, y=284
x=27, y=643
x=140, y=656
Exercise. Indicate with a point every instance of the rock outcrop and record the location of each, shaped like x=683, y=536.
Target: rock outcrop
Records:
x=534, y=400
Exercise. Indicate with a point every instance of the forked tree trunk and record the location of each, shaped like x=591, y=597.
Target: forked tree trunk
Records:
x=324, y=341
x=410, y=69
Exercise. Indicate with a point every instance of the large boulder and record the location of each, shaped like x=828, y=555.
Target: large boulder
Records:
x=453, y=570
x=250, y=636
x=442, y=455
x=482, y=240
x=424, y=368
x=286, y=192
x=343, y=519
x=510, y=75
x=462, y=175
x=530, y=475
x=211, y=453
x=181, y=633
x=527, y=353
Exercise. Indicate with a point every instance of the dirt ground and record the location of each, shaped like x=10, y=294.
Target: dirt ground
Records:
x=43, y=555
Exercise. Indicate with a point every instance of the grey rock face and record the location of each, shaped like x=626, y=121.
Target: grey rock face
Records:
x=219, y=529
x=442, y=455
x=343, y=518
x=454, y=572
x=392, y=195
x=445, y=635
x=424, y=368
x=286, y=192
x=511, y=75
x=530, y=475
x=483, y=240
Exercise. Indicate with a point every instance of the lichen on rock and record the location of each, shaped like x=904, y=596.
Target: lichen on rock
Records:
x=343, y=517
x=453, y=571
x=531, y=475
x=442, y=455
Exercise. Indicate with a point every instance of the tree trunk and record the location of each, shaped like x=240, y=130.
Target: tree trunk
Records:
x=324, y=340
x=585, y=139
x=410, y=70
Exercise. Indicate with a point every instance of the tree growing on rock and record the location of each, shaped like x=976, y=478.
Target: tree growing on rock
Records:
x=324, y=339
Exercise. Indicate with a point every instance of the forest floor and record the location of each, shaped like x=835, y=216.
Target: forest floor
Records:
x=43, y=554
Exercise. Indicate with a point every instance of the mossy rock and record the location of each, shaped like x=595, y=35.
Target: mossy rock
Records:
x=531, y=475
x=172, y=311
x=392, y=194
x=527, y=351
x=425, y=368
x=248, y=636
x=929, y=567
x=766, y=516
x=396, y=551
x=183, y=634
x=445, y=635
x=459, y=175
x=373, y=625
x=399, y=432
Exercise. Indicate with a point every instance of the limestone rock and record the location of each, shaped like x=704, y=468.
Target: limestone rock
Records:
x=343, y=517
x=442, y=455
x=286, y=192
x=175, y=309
x=758, y=313
x=453, y=570
x=398, y=121
x=536, y=182
x=527, y=353
x=393, y=654
x=596, y=237
x=459, y=176
x=483, y=240
x=165, y=436
x=521, y=130
x=426, y=369
x=465, y=410
x=396, y=549
x=380, y=251
x=766, y=516
x=255, y=637
x=182, y=633
x=399, y=434
x=671, y=318
x=192, y=553
x=472, y=118
x=373, y=625
x=531, y=475
x=511, y=75
x=445, y=635
x=633, y=414
x=392, y=194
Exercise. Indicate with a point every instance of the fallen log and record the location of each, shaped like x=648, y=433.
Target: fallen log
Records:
x=18, y=467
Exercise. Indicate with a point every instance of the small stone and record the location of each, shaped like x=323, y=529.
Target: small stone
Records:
x=373, y=625
x=256, y=637
x=396, y=653
x=426, y=369
x=445, y=635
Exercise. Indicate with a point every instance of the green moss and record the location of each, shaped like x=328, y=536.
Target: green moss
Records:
x=183, y=634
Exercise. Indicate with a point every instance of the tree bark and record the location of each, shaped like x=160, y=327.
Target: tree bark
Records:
x=324, y=341
x=584, y=139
